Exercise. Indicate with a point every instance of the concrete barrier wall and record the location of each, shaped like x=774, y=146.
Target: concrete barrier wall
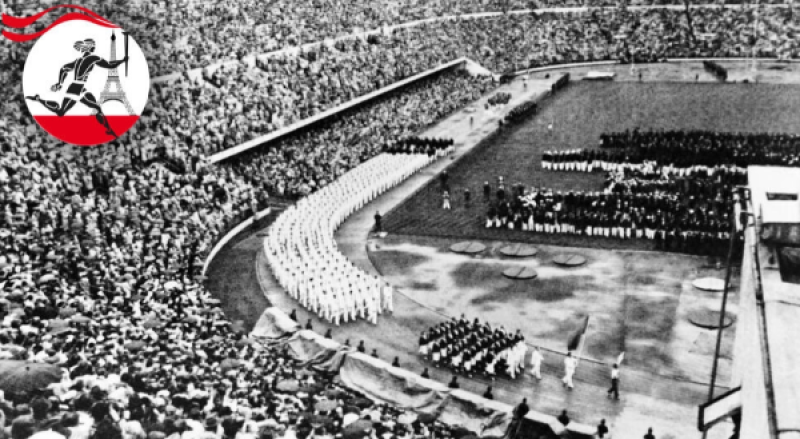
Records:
x=228, y=236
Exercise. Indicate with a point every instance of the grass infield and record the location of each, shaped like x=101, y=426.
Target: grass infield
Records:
x=580, y=113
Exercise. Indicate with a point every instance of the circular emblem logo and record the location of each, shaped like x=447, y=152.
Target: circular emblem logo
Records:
x=86, y=84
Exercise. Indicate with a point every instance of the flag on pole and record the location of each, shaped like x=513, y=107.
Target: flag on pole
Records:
x=575, y=339
x=620, y=358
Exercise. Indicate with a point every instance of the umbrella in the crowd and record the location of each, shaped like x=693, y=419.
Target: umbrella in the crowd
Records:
x=462, y=433
x=407, y=418
x=152, y=323
x=81, y=319
x=319, y=420
x=427, y=418
x=335, y=393
x=192, y=319
x=326, y=405
x=229, y=364
x=58, y=323
x=47, y=278
x=67, y=312
x=135, y=346
x=22, y=377
x=59, y=326
x=288, y=386
x=15, y=296
x=310, y=388
x=205, y=311
x=362, y=403
x=238, y=326
x=62, y=330
x=245, y=341
x=357, y=430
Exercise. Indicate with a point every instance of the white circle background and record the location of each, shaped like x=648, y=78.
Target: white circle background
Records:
x=54, y=49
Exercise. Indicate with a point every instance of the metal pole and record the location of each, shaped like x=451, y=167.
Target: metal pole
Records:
x=126, y=53
x=728, y=272
x=583, y=341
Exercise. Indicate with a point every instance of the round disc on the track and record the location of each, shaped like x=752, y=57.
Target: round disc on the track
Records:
x=467, y=247
x=519, y=250
x=569, y=260
x=709, y=319
x=709, y=284
x=520, y=273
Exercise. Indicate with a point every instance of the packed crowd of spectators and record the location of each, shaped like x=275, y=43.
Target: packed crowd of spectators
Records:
x=230, y=105
x=192, y=34
x=189, y=34
x=237, y=103
x=178, y=36
x=103, y=248
x=200, y=34
x=297, y=165
x=474, y=348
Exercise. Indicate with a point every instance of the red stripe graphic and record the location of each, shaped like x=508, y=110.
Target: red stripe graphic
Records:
x=84, y=130
x=20, y=22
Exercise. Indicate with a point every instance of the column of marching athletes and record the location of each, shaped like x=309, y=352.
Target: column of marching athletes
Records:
x=302, y=253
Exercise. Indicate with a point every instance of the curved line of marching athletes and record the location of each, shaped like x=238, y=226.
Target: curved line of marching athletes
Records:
x=302, y=253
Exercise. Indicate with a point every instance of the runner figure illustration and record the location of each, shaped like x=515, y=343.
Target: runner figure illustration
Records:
x=77, y=92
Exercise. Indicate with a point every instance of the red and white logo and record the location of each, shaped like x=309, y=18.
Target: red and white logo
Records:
x=86, y=81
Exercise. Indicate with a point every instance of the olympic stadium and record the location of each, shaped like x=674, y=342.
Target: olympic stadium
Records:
x=406, y=219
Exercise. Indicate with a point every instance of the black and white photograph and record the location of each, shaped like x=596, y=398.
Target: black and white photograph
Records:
x=399, y=219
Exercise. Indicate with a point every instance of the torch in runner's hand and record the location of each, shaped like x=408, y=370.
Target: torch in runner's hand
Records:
x=126, y=53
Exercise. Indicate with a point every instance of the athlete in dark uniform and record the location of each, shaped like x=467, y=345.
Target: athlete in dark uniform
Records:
x=76, y=91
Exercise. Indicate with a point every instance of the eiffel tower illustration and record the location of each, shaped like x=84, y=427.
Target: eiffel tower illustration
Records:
x=117, y=94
